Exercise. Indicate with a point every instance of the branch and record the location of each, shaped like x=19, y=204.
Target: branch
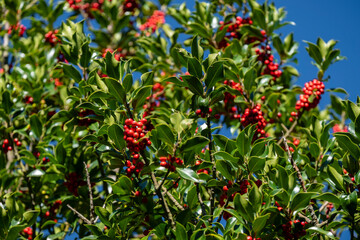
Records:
x=163, y=181
x=212, y=199
x=288, y=131
x=172, y=198
x=310, y=207
x=79, y=214
x=92, y=212
x=160, y=194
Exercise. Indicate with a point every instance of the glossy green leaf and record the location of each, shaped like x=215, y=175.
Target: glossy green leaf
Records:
x=225, y=169
x=188, y=174
x=112, y=66
x=256, y=164
x=147, y=78
x=85, y=55
x=260, y=223
x=301, y=201
x=36, y=125
x=196, y=50
x=165, y=134
x=72, y=72
x=194, y=84
x=320, y=231
x=348, y=145
x=116, y=134
x=180, y=233
x=214, y=74
x=194, y=144
x=116, y=89
x=330, y=197
x=103, y=215
x=141, y=96
x=194, y=67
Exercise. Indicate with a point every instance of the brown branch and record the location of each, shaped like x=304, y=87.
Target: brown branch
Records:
x=314, y=220
x=308, y=220
x=172, y=198
x=92, y=212
x=79, y=214
x=160, y=194
x=323, y=206
x=287, y=133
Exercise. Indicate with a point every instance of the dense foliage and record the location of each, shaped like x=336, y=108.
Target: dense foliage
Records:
x=118, y=124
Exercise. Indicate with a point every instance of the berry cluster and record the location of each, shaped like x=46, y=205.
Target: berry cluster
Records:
x=135, y=166
x=294, y=229
x=6, y=146
x=153, y=22
x=233, y=27
x=252, y=238
x=53, y=210
x=233, y=31
x=224, y=195
x=271, y=68
x=45, y=160
x=242, y=187
x=205, y=171
x=130, y=5
x=51, y=38
x=205, y=112
x=118, y=55
x=252, y=116
x=337, y=128
x=134, y=135
x=18, y=27
x=73, y=182
x=29, y=100
x=28, y=232
x=350, y=175
x=329, y=207
x=229, y=99
x=84, y=121
x=227, y=215
x=312, y=95
x=154, y=100
x=278, y=206
x=296, y=142
x=168, y=162
x=86, y=7
x=56, y=81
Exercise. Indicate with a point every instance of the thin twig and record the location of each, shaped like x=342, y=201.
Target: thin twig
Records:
x=163, y=181
x=323, y=206
x=308, y=220
x=160, y=194
x=302, y=183
x=172, y=198
x=79, y=214
x=212, y=198
x=288, y=131
x=92, y=212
